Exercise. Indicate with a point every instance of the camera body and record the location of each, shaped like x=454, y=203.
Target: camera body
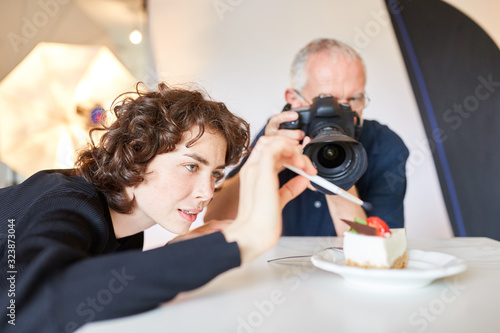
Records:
x=334, y=150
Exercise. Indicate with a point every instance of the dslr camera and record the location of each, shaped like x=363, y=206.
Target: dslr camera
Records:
x=334, y=149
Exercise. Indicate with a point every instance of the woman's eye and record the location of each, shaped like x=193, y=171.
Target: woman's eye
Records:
x=192, y=167
x=218, y=175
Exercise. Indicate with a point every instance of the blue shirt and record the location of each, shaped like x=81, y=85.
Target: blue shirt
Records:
x=383, y=185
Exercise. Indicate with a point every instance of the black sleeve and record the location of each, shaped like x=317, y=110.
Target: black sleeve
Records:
x=60, y=287
x=127, y=283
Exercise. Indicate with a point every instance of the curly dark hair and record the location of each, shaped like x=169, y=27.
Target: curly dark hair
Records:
x=152, y=123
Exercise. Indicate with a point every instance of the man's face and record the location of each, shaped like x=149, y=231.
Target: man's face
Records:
x=342, y=78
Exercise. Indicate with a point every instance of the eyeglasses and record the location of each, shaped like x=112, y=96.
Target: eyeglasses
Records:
x=357, y=103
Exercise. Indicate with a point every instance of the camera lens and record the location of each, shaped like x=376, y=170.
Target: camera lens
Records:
x=331, y=156
x=333, y=160
x=333, y=149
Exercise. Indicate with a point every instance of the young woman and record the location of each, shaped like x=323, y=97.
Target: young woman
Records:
x=71, y=241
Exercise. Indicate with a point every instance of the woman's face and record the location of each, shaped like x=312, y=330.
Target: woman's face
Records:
x=178, y=185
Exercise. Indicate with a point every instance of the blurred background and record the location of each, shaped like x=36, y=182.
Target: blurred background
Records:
x=62, y=64
x=63, y=61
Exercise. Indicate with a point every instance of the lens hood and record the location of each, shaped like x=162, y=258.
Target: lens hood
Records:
x=338, y=158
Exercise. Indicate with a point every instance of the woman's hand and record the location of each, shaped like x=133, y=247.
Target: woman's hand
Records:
x=258, y=225
x=205, y=229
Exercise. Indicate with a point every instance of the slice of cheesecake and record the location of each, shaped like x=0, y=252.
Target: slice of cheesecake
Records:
x=381, y=248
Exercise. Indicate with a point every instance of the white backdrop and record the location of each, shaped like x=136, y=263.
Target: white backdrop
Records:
x=240, y=52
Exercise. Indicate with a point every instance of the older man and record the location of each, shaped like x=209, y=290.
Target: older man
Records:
x=332, y=68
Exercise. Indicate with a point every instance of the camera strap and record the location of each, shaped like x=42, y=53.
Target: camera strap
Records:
x=358, y=127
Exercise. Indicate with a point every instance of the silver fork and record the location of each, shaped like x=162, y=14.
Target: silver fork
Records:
x=277, y=260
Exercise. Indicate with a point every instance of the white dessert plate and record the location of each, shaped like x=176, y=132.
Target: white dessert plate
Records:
x=422, y=268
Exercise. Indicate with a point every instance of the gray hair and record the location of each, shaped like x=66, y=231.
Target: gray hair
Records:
x=298, y=75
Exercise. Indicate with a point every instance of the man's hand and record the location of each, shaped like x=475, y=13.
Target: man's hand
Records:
x=341, y=208
x=273, y=126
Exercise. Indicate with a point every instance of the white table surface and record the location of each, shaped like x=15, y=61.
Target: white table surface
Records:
x=264, y=297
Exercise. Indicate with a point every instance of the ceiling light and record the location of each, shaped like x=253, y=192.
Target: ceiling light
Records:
x=135, y=36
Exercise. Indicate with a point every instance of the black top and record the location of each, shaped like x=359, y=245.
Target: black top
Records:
x=62, y=265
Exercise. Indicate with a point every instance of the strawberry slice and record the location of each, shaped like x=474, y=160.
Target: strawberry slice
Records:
x=379, y=224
